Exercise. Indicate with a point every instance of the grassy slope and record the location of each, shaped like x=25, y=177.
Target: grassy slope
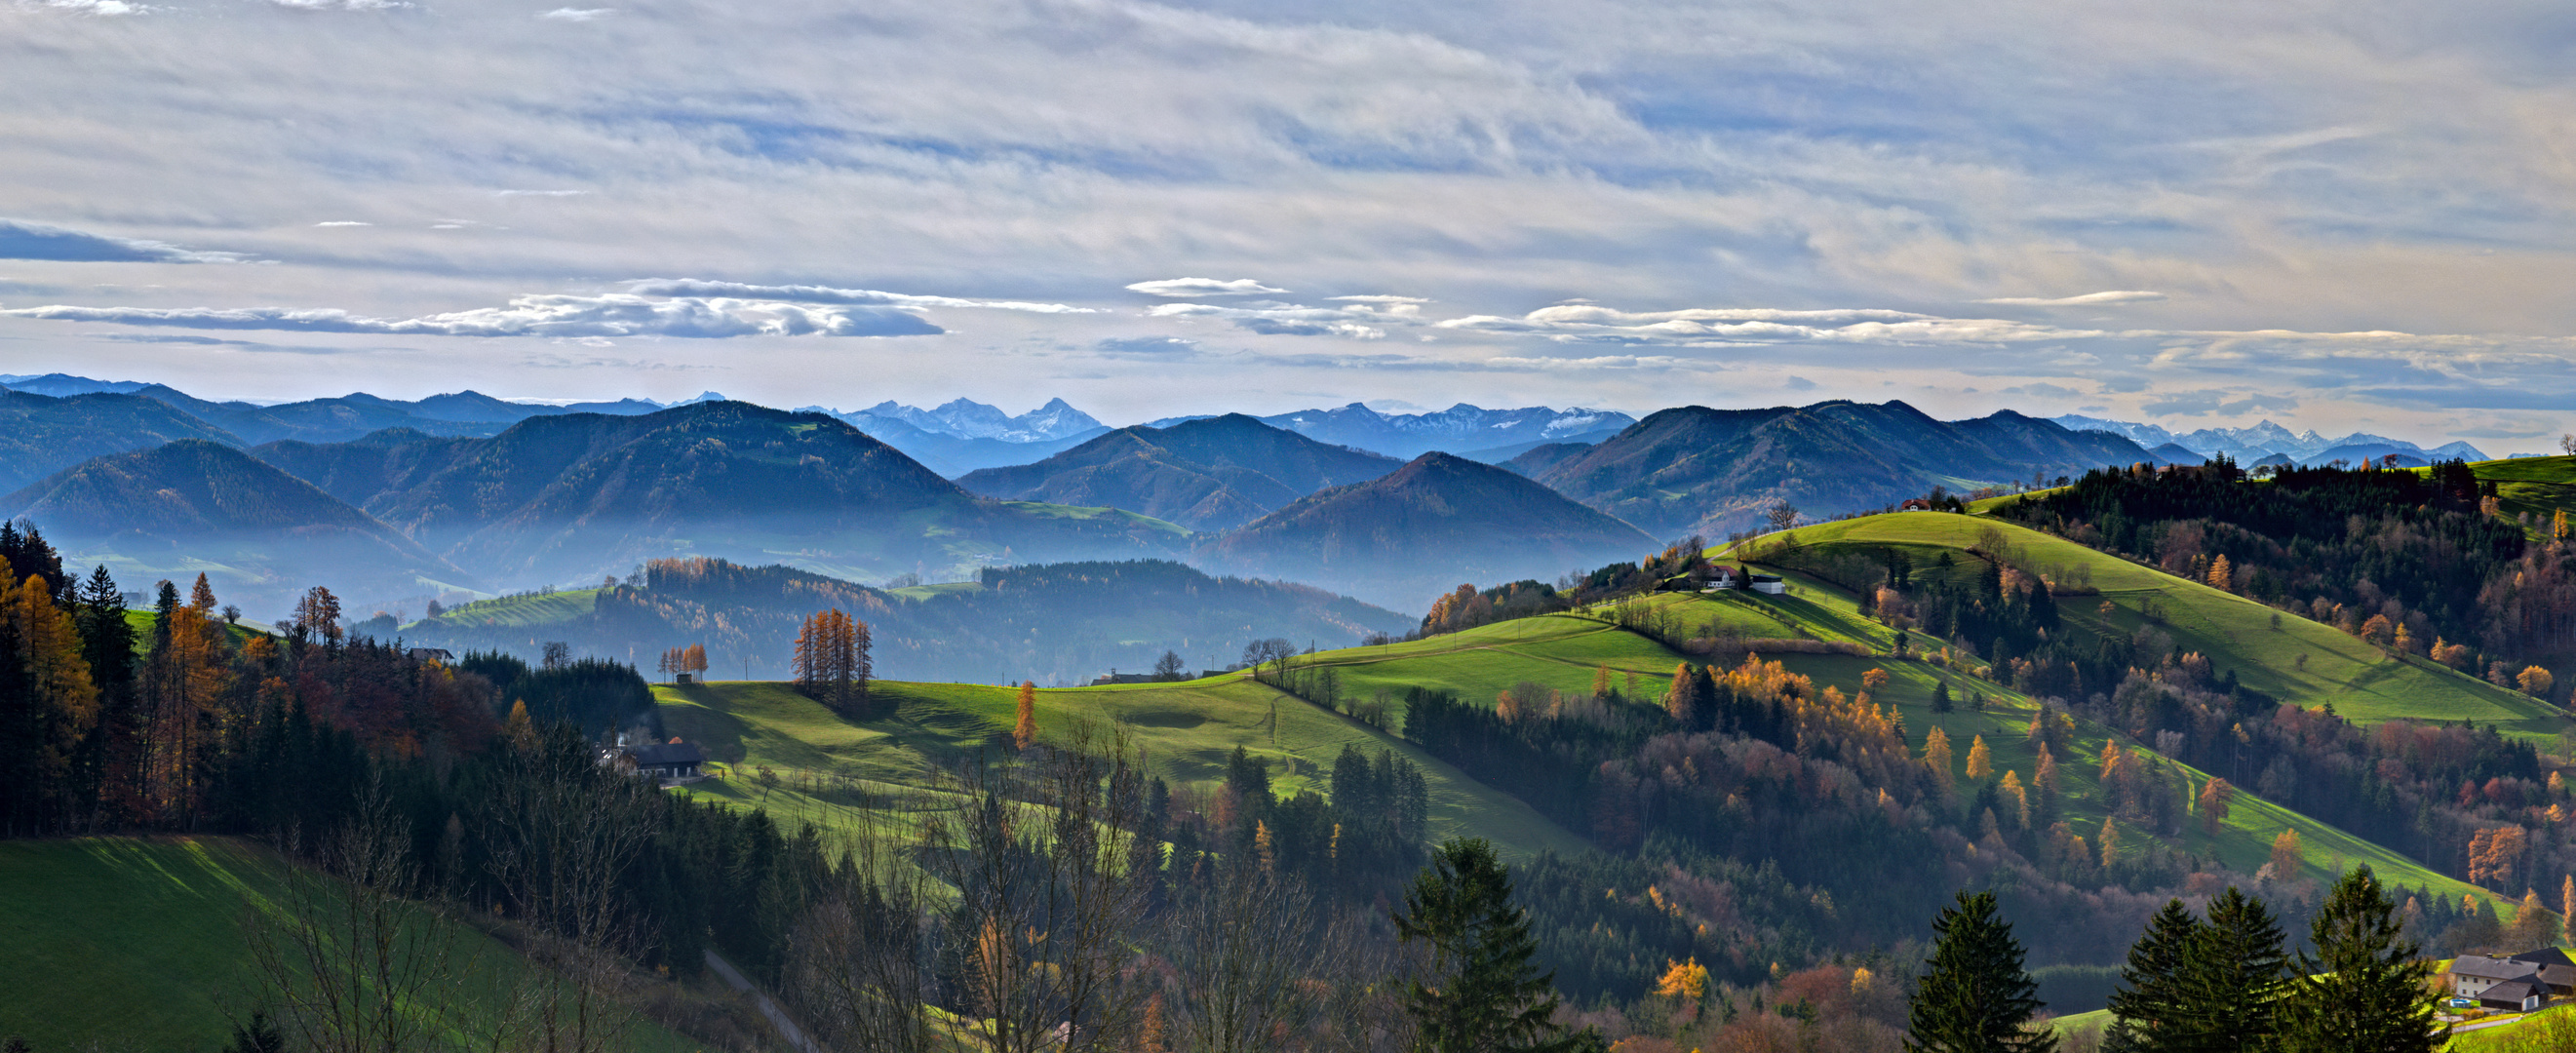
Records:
x=2359, y=680
x=132, y=941
x=1185, y=730
x=530, y=609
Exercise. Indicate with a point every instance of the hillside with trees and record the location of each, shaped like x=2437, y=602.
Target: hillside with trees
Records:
x=1418, y=531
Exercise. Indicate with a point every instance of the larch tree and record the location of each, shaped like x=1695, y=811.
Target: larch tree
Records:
x=1683, y=701
x=2285, y=856
x=1024, y=729
x=2214, y=796
x=1975, y=996
x=1981, y=761
x=1936, y=756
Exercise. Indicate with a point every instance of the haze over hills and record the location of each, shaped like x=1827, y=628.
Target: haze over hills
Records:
x=2249, y=445
x=1214, y=473
x=1429, y=526
x=1054, y=623
x=1699, y=470
x=262, y=536
x=42, y=434
x=578, y=497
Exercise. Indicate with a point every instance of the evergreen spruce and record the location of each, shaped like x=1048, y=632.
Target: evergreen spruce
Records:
x=1486, y=996
x=1941, y=697
x=2362, y=991
x=2235, y=977
x=1976, y=998
x=2151, y=1010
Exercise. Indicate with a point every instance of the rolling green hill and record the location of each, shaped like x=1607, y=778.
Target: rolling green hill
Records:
x=122, y=942
x=1185, y=732
x=2359, y=680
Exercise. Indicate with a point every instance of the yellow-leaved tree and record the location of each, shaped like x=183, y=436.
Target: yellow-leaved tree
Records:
x=1684, y=980
x=1024, y=730
x=1981, y=762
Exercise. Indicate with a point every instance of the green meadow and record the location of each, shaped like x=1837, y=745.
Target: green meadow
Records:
x=131, y=942
x=2297, y=660
x=1184, y=732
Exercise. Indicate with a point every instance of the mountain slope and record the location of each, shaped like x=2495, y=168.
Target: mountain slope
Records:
x=260, y=534
x=574, y=497
x=42, y=434
x=1430, y=525
x=1210, y=474
x=1699, y=470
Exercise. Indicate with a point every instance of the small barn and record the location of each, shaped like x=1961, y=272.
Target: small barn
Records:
x=665, y=761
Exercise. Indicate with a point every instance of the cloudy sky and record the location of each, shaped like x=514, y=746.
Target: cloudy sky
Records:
x=2344, y=216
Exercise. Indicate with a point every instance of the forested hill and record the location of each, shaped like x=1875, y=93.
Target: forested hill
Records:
x=1421, y=530
x=1699, y=470
x=1211, y=474
x=1049, y=622
x=196, y=505
x=41, y=435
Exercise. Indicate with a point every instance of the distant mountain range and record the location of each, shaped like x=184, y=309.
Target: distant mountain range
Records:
x=1436, y=523
x=1472, y=432
x=558, y=498
x=2262, y=441
x=1699, y=470
x=343, y=418
x=1211, y=474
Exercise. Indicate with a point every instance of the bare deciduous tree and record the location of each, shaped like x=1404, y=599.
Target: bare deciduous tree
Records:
x=1052, y=886
x=347, y=964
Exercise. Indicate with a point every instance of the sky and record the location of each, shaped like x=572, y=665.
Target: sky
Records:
x=2341, y=216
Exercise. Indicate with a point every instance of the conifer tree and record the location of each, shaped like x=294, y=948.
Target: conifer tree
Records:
x=2152, y=1009
x=1976, y=997
x=1981, y=761
x=2361, y=991
x=1941, y=697
x=2236, y=970
x=1485, y=995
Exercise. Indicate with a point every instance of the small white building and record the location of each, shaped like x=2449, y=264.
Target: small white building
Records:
x=1767, y=583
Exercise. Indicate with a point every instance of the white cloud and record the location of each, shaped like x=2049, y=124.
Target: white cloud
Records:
x=1723, y=326
x=540, y=193
x=1189, y=287
x=609, y=315
x=827, y=294
x=344, y=223
x=2099, y=299
x=102, y=8
x=577, y=14
x=341, y=5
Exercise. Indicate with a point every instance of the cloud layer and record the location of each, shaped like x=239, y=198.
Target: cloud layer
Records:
x=2000, y=201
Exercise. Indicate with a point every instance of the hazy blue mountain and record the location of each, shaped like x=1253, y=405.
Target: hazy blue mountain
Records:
x=1464, y=430
x=1429, y=526
x=42, y=434
x=261, y=535
x=1699, y=470
x=2249, y=444
x=1211, y=474
x=61, y=385
x=969, y=419
x=575, y=497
